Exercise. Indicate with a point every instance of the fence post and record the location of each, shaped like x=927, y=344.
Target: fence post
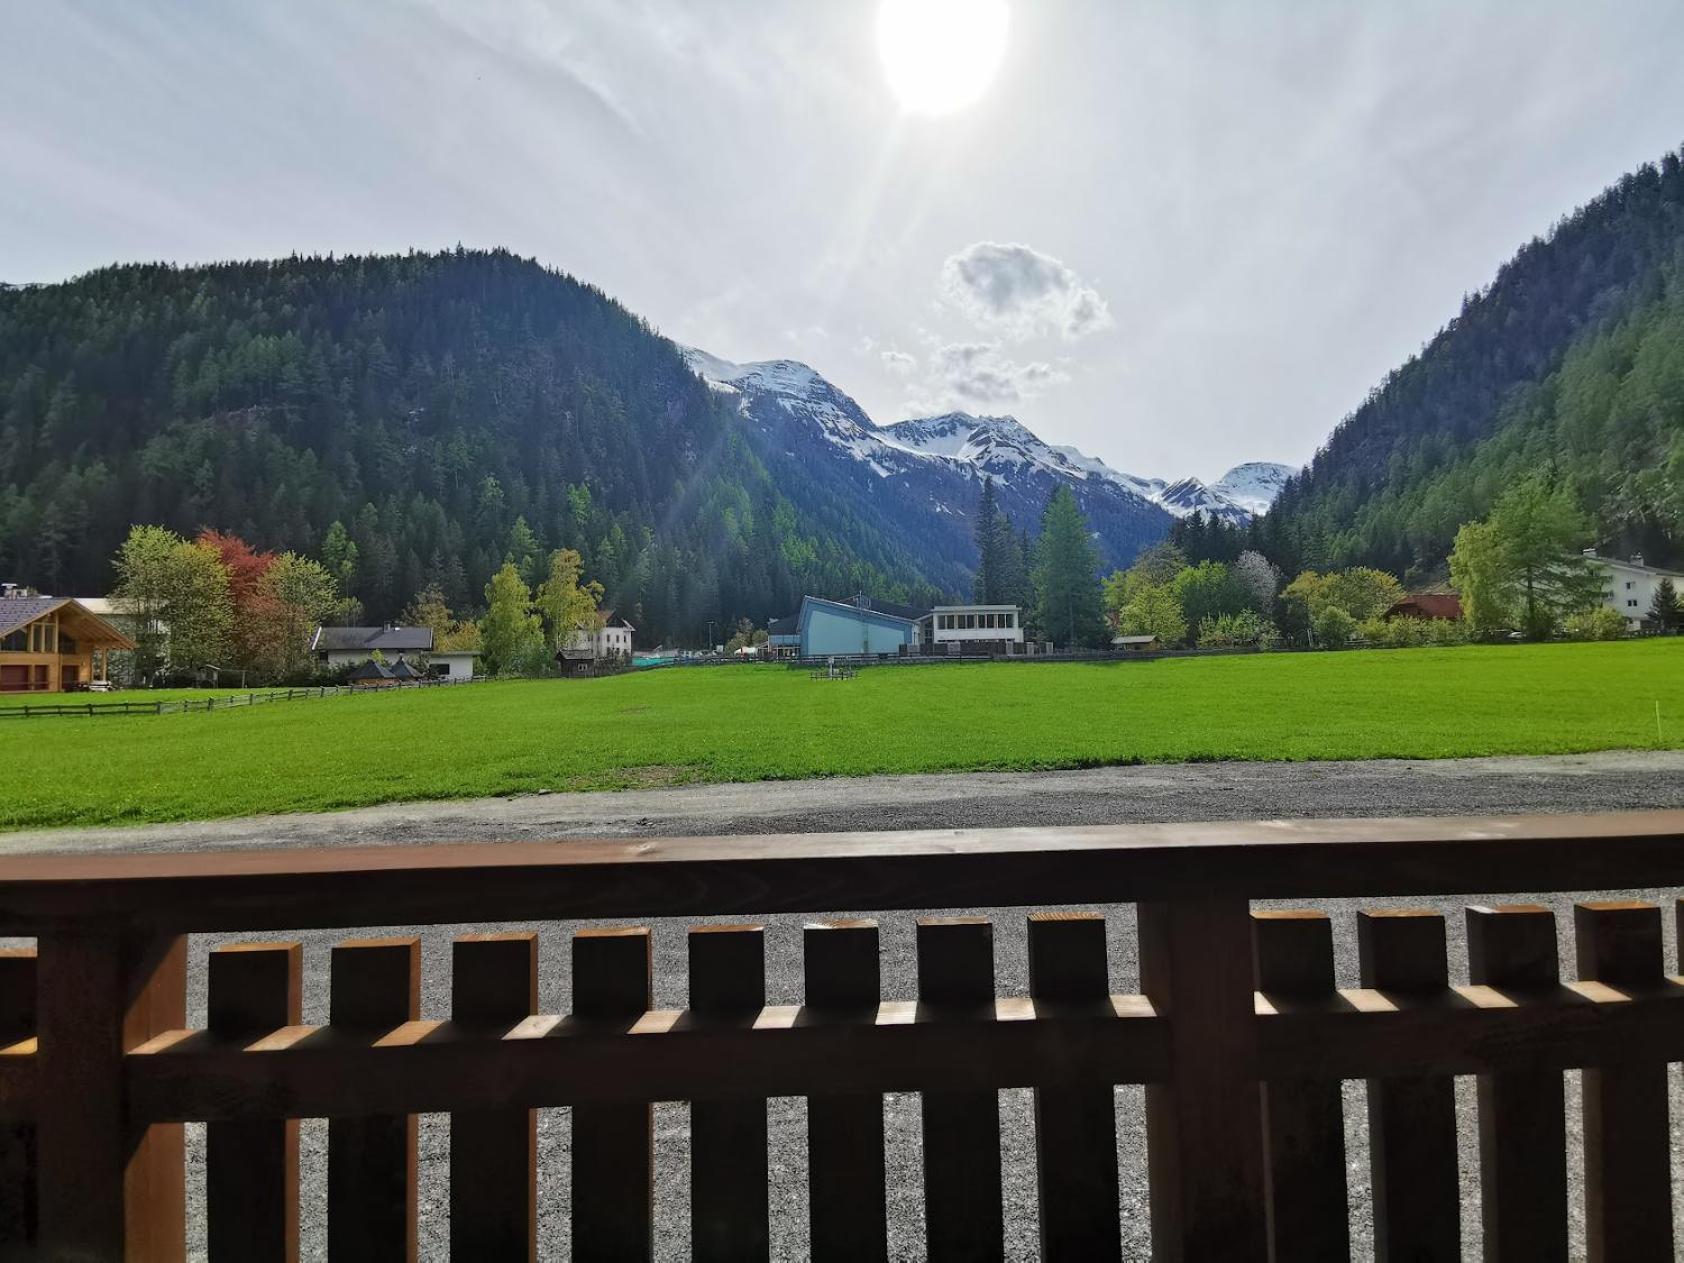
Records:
x=494, y=1152
x=1628, y=1184
x=106, y=1191
x=1204, y=1129
x=1411, y=1118
x=1075, y=1127
x=962, y=1181
x=729, y=1198
x=613, y=1145
x=374, y=984
x=1303, y=1122
x=17, y=1140
x=251, y=1166
x=1522, y=1113
x=842, y=978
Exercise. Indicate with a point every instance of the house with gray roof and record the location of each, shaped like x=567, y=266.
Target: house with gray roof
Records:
x=350, y=646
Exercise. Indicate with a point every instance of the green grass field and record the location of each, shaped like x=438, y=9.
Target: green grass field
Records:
x=761, y=723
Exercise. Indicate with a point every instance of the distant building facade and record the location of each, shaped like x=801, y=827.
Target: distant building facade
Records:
x=976, y=629
x=53, y=644
x=613, y=640
x=862, y=625
x=352, y=646
x=1444, y=606
x=1630, y=586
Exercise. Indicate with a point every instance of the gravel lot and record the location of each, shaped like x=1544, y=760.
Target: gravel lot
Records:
x=1493, y=786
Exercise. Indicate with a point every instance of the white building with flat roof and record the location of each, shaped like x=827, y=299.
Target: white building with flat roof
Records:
x=1630, y=585
x=976, y=629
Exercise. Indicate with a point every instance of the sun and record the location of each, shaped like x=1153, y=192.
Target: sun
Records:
x=940, y=55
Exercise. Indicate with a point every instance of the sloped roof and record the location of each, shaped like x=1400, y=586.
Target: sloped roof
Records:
x=912, y=613
x=368, y=639
x=20, y=611
x=612, y=619
x=371, y=670
x=784, y=626
x=401, y=670
x=1445, y=605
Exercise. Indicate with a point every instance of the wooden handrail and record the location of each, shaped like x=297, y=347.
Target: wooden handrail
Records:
x=1240, y=1037
x=267, y=889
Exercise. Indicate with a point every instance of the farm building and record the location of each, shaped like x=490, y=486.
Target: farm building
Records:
x=860, y=626
x=53, y=644
x=1444, y=606
x=349, y=646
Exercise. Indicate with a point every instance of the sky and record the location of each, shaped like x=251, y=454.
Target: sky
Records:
x=1177, y=234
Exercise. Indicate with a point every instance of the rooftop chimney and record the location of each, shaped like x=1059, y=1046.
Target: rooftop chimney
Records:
x=1637, y=559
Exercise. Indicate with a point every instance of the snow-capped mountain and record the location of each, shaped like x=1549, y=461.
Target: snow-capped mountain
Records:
x=921, y=476
x=1254, y=485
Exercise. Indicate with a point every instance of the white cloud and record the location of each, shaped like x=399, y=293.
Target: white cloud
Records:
x=978, y=374
x=899, y=362
x=1020, y=292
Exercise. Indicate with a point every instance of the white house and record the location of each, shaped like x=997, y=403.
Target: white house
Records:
x=1631, y=585
x=976, y=629
x=350, y=646
x=612, y=640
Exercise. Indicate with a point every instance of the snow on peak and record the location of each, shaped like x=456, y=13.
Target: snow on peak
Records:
x=1254, y=485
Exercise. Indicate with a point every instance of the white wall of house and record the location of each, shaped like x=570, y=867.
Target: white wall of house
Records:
x=452, y=666
x=1629, y=586
x=970, y=624
x=601, y=643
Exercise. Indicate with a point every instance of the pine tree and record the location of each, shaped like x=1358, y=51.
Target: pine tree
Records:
x=1665, y=610
x=986, y=530
x=1067, y=601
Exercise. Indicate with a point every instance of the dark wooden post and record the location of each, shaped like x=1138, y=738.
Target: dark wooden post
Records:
x=1204, y=1134
x=1303, y=1120
x=1628, y=1177
x=729, y=1197
x=494, y=1152
x=1411, y=1118
x=613, y=1145
x=375, y=984
x=1075, y=1127
x=251, y=1167
x=847, y=1197
x=17, y=1140
x=1522, y=1113
x=963, y=1217
x=106, y=1191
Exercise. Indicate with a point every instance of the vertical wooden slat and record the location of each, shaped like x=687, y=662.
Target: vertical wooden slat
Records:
x=963, y=1217
x=1303, y=1120
x=375, y=984
x=847, y=1197
x=106, y=1190
x=1204, y=1133
x=251, y=1167
x=1411, y=1119
x=1522, y=1113
x=17, y=1140
x=1628, y=1179
x=729, y=1196
x=613, y=1145
x=494, y=1152
x=1075, y=1127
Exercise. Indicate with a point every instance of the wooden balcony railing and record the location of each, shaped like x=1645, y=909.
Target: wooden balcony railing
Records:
x=1241, y=1037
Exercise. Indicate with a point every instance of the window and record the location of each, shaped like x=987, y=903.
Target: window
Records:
x=1008, y=620
x=1628, y=585
x=1631, y=604
x=15, y=642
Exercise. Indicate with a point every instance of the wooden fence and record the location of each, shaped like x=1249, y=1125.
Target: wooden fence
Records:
x=1241, y=1037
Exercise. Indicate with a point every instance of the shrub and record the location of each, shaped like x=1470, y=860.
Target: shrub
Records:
x=1333, y=628
x=1230, y=631
x=1599, y=622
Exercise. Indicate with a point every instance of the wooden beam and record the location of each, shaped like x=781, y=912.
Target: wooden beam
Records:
x=596, y=879
x=17, y=1139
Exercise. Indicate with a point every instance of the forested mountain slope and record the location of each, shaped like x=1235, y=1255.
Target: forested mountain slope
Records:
x=432, y=403
x=1570, y=363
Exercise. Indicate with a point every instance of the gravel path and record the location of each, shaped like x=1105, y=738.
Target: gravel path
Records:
x=1494, y=786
